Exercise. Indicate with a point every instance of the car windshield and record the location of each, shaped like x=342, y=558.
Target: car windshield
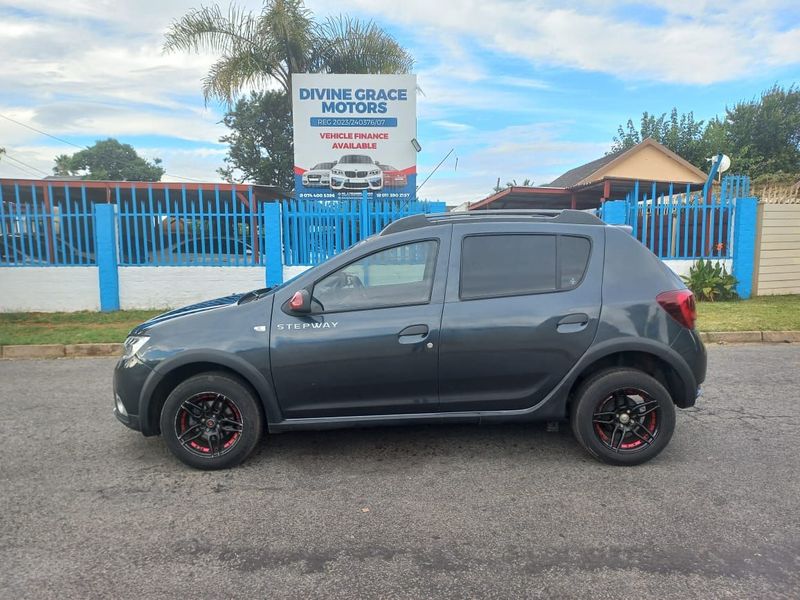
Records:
x=356, y=159
x=388, y=168
x=323, y=166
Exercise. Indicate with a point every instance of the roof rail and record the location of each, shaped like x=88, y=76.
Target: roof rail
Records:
x=569, y=216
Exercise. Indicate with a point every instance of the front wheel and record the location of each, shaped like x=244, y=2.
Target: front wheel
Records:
x=623, y=416
x=211, y=421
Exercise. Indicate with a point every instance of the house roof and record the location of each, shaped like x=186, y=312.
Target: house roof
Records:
x=599, y=168
x=578, y=174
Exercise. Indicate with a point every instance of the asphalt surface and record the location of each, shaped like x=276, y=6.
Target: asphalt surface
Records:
x=91, y=509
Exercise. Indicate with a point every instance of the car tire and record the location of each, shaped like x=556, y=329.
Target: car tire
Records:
x=212, y=421
x=623, y=416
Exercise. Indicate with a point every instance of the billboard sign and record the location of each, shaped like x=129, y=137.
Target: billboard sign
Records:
x=353, y=133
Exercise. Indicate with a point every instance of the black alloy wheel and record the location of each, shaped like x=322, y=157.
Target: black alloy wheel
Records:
x=622, y=416
x=212, y=421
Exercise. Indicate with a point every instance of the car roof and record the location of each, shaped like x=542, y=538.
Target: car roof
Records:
x=571, y=217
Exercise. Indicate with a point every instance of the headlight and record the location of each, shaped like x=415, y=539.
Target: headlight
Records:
x=374, y=172
x=337, y=172
x=133, y=344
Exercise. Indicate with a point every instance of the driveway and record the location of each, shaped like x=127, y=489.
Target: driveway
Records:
x=91, y=509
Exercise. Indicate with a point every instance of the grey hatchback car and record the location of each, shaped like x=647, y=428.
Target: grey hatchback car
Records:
x=485, y=317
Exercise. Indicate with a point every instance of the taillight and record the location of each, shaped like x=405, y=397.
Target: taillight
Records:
x=680, y=306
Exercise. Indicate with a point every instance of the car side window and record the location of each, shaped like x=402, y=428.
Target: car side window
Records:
x=395, y=276
x=573, y=257
x=516, y=264
x=507, y=265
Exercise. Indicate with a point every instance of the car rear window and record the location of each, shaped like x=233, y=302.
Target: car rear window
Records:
x=517, y=264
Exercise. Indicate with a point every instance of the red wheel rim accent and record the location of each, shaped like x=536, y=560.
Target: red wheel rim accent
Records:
x=208, y=424
x=627, y=420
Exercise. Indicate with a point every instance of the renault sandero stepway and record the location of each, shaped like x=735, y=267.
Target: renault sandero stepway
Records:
x=483, y=317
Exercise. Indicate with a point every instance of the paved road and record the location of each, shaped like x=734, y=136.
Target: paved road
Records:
x=90, y=509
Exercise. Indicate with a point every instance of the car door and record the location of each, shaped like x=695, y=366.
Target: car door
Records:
x=522, y=305
x=369, y=345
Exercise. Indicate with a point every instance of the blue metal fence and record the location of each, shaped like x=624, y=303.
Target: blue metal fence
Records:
x=45, y=225
x=684, y=224
x=313, y=230
x=199, y=227
x=158, y=224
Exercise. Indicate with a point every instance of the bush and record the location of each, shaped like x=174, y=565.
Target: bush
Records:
x=710, y=281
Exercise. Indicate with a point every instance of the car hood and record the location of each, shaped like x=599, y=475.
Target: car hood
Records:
x=205, y=306
x=318, y=172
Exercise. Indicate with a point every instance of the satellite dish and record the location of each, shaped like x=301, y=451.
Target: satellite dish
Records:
x=724, y=164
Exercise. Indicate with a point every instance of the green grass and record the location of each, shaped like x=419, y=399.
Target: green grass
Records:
x=764, y=313
x=69, y=328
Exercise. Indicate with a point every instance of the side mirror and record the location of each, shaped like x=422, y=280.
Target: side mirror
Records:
x=300, y=302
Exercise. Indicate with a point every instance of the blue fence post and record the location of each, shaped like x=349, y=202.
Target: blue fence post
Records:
x=363, y=217
x=745, y=217
x=615, y=212
x=272, y=245
x=106, y=252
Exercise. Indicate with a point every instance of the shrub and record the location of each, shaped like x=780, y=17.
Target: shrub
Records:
x=710, y=281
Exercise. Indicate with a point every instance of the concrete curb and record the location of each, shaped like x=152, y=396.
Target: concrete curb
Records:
x=60, y=350
x=749, y=337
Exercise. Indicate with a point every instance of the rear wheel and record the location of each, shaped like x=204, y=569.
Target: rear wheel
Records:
x=211, y=421
x=623, y=416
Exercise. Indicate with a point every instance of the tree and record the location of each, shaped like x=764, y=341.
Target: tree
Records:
x=762, y=136
x=256, y=50
x=109, y=159
x=260, y=140
x=681, y=134
x=527, y=182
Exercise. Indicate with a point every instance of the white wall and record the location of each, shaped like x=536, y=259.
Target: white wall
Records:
x=49, y=289
x=171, y=287
x=289, y=272
x=681, y=267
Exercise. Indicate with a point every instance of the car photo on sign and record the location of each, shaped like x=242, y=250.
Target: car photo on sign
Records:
x=356, y=172
x=392, y=177
x=319, y=175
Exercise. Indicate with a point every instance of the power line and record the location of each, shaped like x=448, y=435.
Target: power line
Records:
x=40, y=131
x=7, y=118
x=27, y=172
x=8, y=156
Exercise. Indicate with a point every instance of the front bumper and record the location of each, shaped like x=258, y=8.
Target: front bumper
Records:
x=130, y=375
x=319, y=182
x=355, y=184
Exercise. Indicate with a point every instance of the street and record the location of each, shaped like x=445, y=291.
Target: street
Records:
x=89, y=508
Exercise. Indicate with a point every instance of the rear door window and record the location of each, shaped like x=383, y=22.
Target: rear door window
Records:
x=518, y=264
x=507, y=265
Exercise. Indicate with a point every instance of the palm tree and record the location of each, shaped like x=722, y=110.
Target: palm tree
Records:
x=63, y=165
x=258, y=49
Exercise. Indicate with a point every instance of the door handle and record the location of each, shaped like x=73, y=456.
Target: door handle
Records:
x=572, y=323
x=414, y=330
x=413, y=334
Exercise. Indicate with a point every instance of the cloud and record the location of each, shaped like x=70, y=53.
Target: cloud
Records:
x=453, y=126
x=534, y=150
x=693, y=43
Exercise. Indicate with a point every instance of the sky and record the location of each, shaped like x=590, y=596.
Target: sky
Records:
x=519, y=89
